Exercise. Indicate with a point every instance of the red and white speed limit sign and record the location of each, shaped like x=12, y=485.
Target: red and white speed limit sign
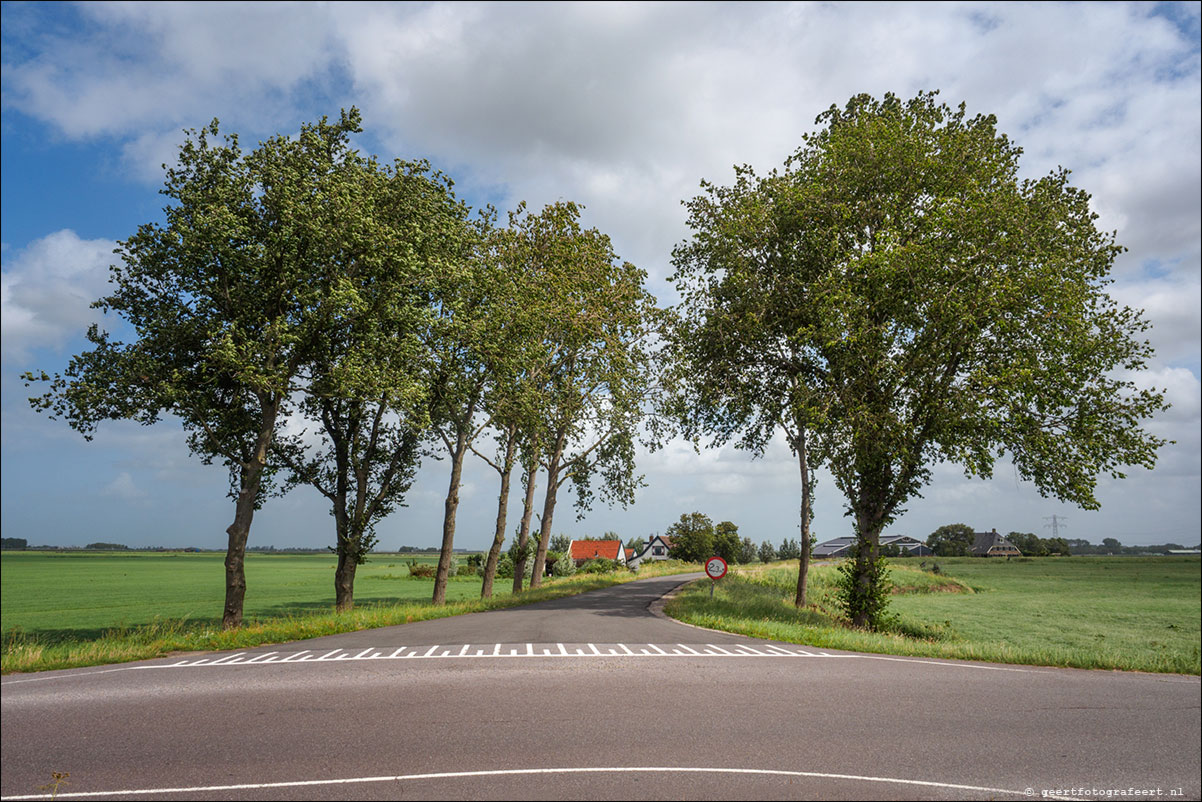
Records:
x=715, y=568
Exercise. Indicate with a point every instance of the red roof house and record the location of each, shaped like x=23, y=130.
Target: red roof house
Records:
x=582, y=551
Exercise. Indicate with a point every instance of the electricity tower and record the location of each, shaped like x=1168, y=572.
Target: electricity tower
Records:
x=1056, y=523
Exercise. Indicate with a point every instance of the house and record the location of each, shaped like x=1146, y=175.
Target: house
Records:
x=657, y=548
x=991, y=544
x=582, y=551
x=841, y=546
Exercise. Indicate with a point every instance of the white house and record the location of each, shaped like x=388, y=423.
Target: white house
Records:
x=657, y=548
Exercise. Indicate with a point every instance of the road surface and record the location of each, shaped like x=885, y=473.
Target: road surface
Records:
x=592, y=697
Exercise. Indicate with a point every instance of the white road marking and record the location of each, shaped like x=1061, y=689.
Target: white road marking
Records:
x=471, y=652
x=452, y=775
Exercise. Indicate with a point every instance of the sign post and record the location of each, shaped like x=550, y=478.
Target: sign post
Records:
x=715, y=569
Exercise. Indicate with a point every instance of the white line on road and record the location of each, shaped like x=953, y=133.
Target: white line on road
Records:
x=451, y=775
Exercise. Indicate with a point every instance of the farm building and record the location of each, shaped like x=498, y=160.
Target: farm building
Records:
x=991, y=544
x=841, y=546
x=582, y=551
x=657, y=548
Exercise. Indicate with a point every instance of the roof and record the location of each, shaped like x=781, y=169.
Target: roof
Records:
x=629, y=554
x=983, y=542
x=595, y=549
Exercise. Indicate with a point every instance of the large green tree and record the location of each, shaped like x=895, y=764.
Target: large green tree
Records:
x=959, y=313
x=598, y=371
x=692, y=537
x=227, y=299
x=741, y=366
x=952, y=540
x=367, y=389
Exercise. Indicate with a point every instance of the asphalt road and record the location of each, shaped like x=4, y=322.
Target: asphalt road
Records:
x=589, y=698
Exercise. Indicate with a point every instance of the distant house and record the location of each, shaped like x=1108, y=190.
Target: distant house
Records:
x=841, y=546
x=657, y=548
x=991, y=544
x=582, y=551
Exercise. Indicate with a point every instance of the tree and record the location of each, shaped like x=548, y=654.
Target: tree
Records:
x=767, y=552
x=227, y=300
x=1112, y=544
x=956, y=312
x=952, y=540
x=14, y=543
x=560, y=543
x=726, y=542
x=637, y=544
x=1026, y=542
x=789, y=550
x=692, y=538
x=599, y=366
x=747, y=551
x=368, y=382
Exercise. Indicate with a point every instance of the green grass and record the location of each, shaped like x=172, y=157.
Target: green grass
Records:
x=66, y=610
x=1131, y=613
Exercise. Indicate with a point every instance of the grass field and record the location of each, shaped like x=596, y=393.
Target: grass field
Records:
x=1133, y=613
x=78, y=595
x=72, y=609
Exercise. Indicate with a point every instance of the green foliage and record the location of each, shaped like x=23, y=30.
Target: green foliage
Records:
x=101, y=546
x=864, y=589
x=726, y=543
x=692, y=538
x=747, y=551
x=789, y=550
x=952, y=540
x=14, y=543
x=564, y=564
x=421, y=570
x=931, y=304
x=767, y=552
x=560, y=543
x=637, y=544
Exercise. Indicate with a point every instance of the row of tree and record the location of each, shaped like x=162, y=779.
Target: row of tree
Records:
x=313, y=317
x=894, y=296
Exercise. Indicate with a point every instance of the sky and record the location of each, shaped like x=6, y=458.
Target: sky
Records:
x=624, y=108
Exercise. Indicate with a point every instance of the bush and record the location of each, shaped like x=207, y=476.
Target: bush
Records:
x=467, y=570
x=870, y=602
x=599, y=566
x=504, y=566
x=564, y=566
x=422, y=570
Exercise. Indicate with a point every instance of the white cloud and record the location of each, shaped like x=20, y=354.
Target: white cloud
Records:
x=123, y=487
x=624, y=108
x=46, y=290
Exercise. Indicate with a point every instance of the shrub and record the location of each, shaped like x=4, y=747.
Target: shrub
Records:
x=869, y=601
x=422, y=570
x=599, y=566
x=468, y=570
x=564, y=566
x=504, y=566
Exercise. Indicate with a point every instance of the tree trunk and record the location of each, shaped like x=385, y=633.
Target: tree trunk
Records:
x=803, y=567
x=544, y=535
x=868, y=536
x=519, y=567
x=448, y=520
x=250, y=483
x=498, y=538
x=344, y=580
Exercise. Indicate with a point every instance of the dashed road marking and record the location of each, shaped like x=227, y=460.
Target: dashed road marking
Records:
x=470, y=651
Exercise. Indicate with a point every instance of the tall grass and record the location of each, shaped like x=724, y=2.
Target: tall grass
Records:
x=1123, y=613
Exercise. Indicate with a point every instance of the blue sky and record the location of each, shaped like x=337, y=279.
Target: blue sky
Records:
x=623, y=108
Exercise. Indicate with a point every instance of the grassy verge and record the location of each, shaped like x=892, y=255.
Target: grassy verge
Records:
x=1136, y=614
x=24, y=652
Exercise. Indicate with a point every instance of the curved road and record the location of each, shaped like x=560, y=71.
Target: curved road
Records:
x=596, y=696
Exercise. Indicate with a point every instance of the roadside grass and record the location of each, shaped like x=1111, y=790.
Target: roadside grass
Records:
x=1128, y=613
x=26, y=651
